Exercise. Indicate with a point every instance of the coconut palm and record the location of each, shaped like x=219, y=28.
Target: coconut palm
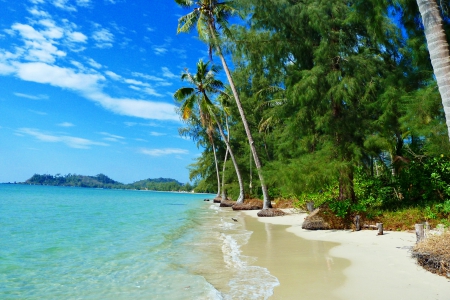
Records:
x=211, y=18
x=439, y=51
x=203, y=84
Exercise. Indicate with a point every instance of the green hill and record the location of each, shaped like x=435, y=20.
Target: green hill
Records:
x=103, y=181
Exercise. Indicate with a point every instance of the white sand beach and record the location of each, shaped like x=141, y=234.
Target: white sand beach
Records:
x=380, y=267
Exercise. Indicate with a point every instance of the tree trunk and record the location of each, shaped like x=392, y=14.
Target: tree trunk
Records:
x=240, y=199
x=224, y=196
x=266, y=198
x=217, y=168
x=439, y=51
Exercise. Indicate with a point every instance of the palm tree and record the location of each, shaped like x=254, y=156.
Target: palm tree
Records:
x=204, y=83
x=211, y=17
x=208, y=131
x=439, y=51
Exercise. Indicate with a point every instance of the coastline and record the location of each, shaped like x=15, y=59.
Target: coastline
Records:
x=380, y=267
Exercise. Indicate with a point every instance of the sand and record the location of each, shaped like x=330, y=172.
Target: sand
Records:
x=336, y=264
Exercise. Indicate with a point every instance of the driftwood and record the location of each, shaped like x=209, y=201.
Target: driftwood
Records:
x=357, y=223
x=380, y=228
x=420, y=234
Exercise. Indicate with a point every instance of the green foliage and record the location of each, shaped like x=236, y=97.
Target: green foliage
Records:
x=343, y=107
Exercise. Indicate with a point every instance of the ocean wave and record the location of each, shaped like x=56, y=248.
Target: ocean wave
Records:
x=248, y=282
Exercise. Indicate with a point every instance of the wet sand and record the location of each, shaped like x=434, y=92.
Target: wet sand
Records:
x=337, y=264
x=303, y=267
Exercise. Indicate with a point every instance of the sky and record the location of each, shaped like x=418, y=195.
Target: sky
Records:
x=86, y=87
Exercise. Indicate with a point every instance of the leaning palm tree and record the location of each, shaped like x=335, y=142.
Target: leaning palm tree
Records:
x=203, y=84
x=439, y=51
x=211, y=18
x=206, y=125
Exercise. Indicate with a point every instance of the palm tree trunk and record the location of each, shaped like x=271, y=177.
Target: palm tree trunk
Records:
x=217, y=168
x=224, y=196
x=240, y=199
x=439, y=51
x=266, y=198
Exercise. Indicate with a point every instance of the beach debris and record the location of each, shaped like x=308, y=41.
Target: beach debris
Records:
x=420, y=234
x=315, y=222
x=357, y=223
x=270, y=212
x=380, y=228
x=433, y=253
x=234, y=219
x=310, y=206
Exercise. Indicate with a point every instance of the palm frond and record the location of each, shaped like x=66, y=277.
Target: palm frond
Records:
x=183, y=93
x=186, y=23
x=187, y=106
x=185, y=3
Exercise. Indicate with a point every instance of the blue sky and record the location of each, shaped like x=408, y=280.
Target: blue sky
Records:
x=86, y=87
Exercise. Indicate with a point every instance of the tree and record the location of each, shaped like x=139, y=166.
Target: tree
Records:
x=204, y=84
x=211, y=19
x=439, y=51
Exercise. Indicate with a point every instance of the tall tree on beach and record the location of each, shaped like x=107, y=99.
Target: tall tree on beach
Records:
x=203, y=84
x=211, y=19
x=439, y=50
x=208, y=130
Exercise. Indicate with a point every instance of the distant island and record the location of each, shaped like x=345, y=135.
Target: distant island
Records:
x=103, y=181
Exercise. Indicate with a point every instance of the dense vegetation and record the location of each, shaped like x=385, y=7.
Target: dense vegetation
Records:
x=341, y=101
x=103, y=181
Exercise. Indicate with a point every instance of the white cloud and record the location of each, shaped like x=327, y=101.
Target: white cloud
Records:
x=113, y=75
x=152, y=92
x=167, y=73
x=39, y=112
x=135, y=82
x=153, y=133
x=76, y=37
x=159, y=50
x=112, y=135
x=94, y=64
x=57, y=76
x=150, y=29
x=37, y=61
x=62, y=4
x=38, y=13
x=148, y=77
x=71, y=141
x=137, y=108
x=83, y=3
x=103, y=38
x=32, y=97
x=164, y=151
x=65, y=124
x=39, y=44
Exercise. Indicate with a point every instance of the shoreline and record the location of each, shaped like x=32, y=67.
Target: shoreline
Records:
x=381, y=267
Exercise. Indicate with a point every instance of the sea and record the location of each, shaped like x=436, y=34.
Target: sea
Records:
x=84, y=243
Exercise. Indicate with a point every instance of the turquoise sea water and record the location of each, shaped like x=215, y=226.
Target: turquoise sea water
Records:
x=78, y=243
